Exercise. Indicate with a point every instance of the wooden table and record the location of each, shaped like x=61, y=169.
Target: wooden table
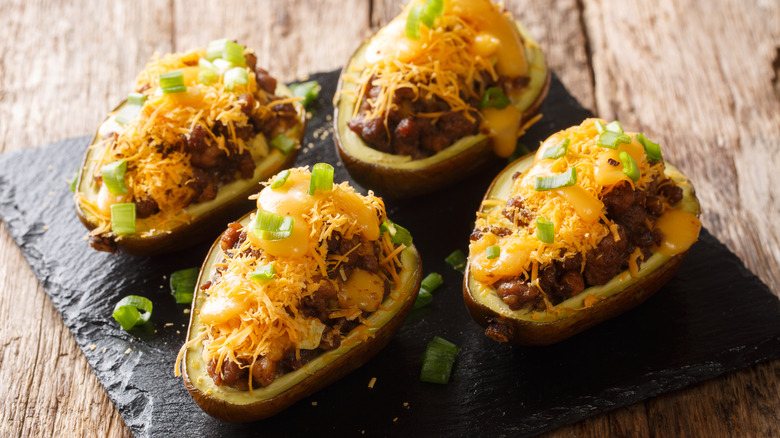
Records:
x=700, y=77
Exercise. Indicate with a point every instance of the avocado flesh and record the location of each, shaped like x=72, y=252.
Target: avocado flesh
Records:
x=357, y=148
x=399, y=299
x=486, y=296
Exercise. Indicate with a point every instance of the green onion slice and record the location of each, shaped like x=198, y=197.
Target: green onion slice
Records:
x=280, y=179
x=493, y=251
x=611, y=139
x=131, y=108
x=172, y=82
x=615, y=126
x=600, y=127
x=234, y=53
x=206, y=76
x=114, y=177
x=216, y=49
x=398, y=234
x=74, y=181
x=265, y=272
x=309, y=91
x=235, y=76
x=413, y=23
x=565, y=179
x=222, y=65
x=423, y=299
x=494, y=98
x=272, y=226
x=183, y=284
x=432, y=9
x=123, y=218
x=438, y=360
x=284, y=143
x=652, y=150
x=545, y=230
x=126, y=311
x=557, y=151
x=457, y=260
x=629, y=165
x=321, y=178
x=431, y=282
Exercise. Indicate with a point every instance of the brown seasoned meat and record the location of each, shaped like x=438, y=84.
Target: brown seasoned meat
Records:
x=605, y=260
x=146, y=207
x=516, y=212
x=263, y=371
x=230, y=236
x=619, y=198
x=516, y=293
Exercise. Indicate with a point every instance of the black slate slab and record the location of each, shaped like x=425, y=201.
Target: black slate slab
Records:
x=714, y=316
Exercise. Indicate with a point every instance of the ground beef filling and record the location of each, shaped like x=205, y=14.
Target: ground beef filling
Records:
x=635, y=213
x=318, y=305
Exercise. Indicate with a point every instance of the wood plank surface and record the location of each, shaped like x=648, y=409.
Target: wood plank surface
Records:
x=700, y=77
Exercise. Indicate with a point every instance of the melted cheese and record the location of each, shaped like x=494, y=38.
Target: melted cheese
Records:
x=680, y=229
x=503, y=125
x=362, y=290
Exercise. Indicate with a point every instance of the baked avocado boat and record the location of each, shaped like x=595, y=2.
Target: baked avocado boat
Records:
x=180, y=156
x=294, y=296
x=435, y=95
x=590, y=226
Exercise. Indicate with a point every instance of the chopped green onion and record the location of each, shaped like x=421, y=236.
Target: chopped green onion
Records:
x=600, y=127
x=321, y=178
x=557, y=151
x=629, y=166
x=309, y=91
x=615, y=127
x=123, y=218
x=265, y=272
x=545, y=230
x=206, y=76
x=433, y=8
x=280, y=179
x=234, y=53
x=431, y=282
x=272, y=226
x=284, y=143
x=183, y=284
x=520, y=150
x=398, y=234
x=216, y=49
x=423, y=299
x=131, y=108
x=611, y=139
x=114, y=177
x=493, y=251
x=494, y=98
x=235, y=76
x=438, y=360
x=172, y=82
x=565, y=179
x=222, y=65
x=457, y=260
x=413, y=23
x=652, y=150
x=126, y=311
x=74, y=181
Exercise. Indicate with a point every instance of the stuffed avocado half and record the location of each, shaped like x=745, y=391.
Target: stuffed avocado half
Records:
x=181, y=155
x=294, y=296
x=434, y=95
x=590, y=226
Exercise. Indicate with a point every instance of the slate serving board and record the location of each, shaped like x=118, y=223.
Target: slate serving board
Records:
x=714, y=316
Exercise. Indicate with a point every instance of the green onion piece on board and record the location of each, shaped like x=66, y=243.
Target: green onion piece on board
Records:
x=652, y=150
x=432, y=9
x=413, y=23
x=438, y=360
x=234, y=53
x=611, y=140
x=600, y=127
x=172, y=82
x=558, y=151
x=457, y=260
x=431, y=282
x=216, y=49
x=565, y=179
x=74, y=181
x=131, y=109
x=494, y=98
x=123, y=218
x=280, y=179
x=114, y=177
x=309, y=91
x=272, y=226
x=545, y=230
x=629, y=166
x=520, y=150
x=126, y=311
x=423, y=299
x=493, y=251
x=265, y=272
x=284, y=143
x=234, y=77
x=321, y=178
x=183, y=284
x=615, y=127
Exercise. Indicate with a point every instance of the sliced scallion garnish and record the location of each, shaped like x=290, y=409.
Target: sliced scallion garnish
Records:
x=558, y=151
x=611, y=139
x=431, y=282
x=321, y=178
x=423, y=299
x=114, y=177
x=432, y=9
x=234, y=53
x=280, y=179
x=629, y=166
x=565, y=179
x=545, y=230
x=131, y=108
x=216, y=49
x=235, y=76
x=262, y=273
x=438, y=360
x=398, y=234
x=600, y=127
x=172, y=82
x=206, y=76
x=74, y=181
x=272, y=226
x=309, y=91
x=457, y=260
x=413, y=23
x=183, y=284
x=652, y=150
x=494, y=98
x=615, y=126
x=123, y=218
x=222, y=65
x=126, y=311
x=492, y=252
x=284, y=143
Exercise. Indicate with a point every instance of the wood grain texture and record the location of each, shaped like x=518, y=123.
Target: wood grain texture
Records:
x=700, y=77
